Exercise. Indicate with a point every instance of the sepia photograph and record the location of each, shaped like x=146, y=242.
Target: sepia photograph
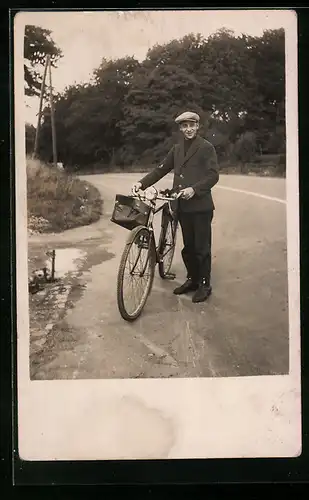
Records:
x=157, y=232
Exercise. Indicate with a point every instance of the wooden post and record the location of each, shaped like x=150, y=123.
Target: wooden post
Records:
x=52, y=113
x=52, y=255
x=36, y=142
x=53, y=265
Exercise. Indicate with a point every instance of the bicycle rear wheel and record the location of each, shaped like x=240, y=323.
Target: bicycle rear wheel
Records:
x=136, y=273
x=167, y=244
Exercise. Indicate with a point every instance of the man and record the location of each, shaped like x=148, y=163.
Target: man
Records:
x=194, y=162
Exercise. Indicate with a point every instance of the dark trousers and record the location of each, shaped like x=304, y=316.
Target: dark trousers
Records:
x=196, y=253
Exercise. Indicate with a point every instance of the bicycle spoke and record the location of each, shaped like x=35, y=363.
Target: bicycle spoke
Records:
x=137, y=274
x=131, y=297
x=167, y=250
x=137, y=266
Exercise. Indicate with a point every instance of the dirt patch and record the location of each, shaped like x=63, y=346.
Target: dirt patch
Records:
x=49, y=331
x=62, y=339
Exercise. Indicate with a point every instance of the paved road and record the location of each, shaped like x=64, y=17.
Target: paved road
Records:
x=241, y=331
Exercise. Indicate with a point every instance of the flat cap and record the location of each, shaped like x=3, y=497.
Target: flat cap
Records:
x=187, y=116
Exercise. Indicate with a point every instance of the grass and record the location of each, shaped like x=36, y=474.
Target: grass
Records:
x=58, y=200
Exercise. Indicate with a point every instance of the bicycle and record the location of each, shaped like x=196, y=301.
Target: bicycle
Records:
x=141, y=253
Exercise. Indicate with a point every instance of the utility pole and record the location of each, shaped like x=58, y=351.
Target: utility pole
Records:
x=52, y=113
x=36, y=142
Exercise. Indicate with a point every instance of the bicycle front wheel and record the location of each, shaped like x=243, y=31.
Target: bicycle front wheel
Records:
x=167, y=244
x=136, y=273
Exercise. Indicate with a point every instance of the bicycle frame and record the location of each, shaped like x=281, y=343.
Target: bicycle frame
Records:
x=142, y=238
x=155, y=210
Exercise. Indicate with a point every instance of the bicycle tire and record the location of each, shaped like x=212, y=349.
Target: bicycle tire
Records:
x=167, y=222
x=135, y=238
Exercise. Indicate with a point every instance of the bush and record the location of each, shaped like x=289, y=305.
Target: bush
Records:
x=245, y=147
x=58, y=201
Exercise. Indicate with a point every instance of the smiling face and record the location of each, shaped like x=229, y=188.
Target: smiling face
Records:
x=189, y=129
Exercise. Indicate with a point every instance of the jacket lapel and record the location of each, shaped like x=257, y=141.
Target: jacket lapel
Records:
x=192, y=150
x=181, y=159
x=181, y=154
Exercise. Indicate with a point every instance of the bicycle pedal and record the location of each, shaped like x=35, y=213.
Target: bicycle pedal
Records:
x=170, y=276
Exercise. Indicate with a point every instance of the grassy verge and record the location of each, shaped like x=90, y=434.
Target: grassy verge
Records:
x=58, y=201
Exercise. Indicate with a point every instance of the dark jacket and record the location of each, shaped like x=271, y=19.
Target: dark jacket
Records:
x=197, y=169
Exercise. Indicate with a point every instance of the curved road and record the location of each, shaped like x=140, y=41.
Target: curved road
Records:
x=241, y=331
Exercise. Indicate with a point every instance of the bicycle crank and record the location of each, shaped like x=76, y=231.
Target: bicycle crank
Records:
x=170, y=276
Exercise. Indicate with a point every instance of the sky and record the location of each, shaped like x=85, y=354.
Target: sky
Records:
x=86, y=37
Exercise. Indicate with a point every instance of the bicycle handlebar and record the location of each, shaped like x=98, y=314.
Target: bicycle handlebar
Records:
x=159, y=195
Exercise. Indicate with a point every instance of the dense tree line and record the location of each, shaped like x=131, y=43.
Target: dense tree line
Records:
x=125, y=115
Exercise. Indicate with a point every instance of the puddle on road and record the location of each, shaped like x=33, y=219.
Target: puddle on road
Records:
x=67, y=260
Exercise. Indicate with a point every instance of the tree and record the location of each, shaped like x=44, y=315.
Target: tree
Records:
x=154, y=100
x=245, y=149
x=226, y=76
x=37, y=45
x=266, y=108
x=88, y=116
x=222, y=66
x=30, y=138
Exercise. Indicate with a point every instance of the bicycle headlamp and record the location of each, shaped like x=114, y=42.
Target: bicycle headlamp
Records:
x=151, y=193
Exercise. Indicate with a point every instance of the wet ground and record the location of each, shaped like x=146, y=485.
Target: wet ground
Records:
x=76, y=330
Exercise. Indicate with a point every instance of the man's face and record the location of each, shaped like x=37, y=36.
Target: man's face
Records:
x=189, y=129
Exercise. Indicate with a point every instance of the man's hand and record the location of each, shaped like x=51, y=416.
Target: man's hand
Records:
x=136, y=187
x=186, y=193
